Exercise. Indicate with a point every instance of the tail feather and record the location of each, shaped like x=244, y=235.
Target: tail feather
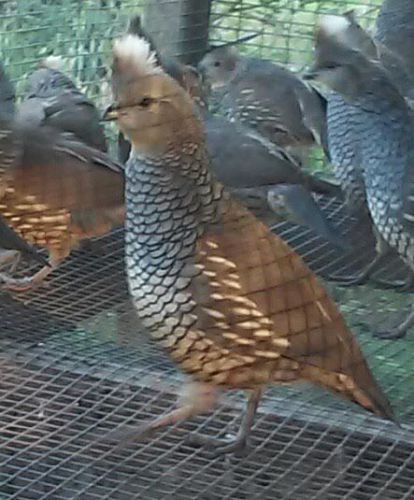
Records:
x=364, y=391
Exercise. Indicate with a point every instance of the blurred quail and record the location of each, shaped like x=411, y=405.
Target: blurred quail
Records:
x=384, y=127
x=59, y=193
x=266, y=97
x=11, y=244
x=234, y=306
x=53, y=100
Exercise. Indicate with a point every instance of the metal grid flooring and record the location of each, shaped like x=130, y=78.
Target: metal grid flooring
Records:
x=75, y=365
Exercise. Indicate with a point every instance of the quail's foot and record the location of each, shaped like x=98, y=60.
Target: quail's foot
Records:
x=398, y=332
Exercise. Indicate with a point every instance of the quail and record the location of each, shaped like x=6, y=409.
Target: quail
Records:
x=58, y=193
x=232, y=303
x=54, y=100
x=342, y=139
x=267, y=97
x=245, y=162
x=384, y=127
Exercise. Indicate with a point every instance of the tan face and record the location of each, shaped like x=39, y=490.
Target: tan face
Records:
x=152, y=112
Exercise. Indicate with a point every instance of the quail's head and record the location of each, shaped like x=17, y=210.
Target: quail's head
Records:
x=337, y=65
x=151, y=109
x=356, y=37
x=220, y=65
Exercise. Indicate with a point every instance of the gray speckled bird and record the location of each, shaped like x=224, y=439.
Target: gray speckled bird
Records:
x=384, y=126
x=233, y=304
x=343, y=120
x=53, y=100
x=266, y=97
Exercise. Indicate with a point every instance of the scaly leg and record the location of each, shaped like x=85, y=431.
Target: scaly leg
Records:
x=239, y=443
x=363, y=277
x=400, y=331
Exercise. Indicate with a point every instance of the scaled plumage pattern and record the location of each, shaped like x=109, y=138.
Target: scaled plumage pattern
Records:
x=383, y=131
x=231, y=302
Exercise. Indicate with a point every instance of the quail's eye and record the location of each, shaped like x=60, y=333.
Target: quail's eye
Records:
x=217, y=64
x=331, y=66
x=145, y=102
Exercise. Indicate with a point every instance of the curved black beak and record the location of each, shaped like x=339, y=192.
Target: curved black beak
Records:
x=110, y=113
x=311, y=74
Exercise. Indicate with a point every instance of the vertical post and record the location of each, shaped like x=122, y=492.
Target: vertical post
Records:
x=179, y=27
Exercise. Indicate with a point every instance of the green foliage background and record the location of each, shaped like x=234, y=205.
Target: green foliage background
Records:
x=81, y=31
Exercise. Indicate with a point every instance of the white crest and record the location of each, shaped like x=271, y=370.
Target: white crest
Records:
x=334, y=25
x=138, y=52
x=52, y=62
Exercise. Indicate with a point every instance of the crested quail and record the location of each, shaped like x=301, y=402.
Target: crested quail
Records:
x=234, y=306
x=266, y=97
x=383, y=129
x=246, y=163
x=343, y=139
x=54, y=100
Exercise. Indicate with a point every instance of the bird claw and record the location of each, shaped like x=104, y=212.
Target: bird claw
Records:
x=391, y=334
x=355, y=280
x=18, y=285
x=217, y=446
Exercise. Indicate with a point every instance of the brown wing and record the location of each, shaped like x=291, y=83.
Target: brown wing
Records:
x=259, y=301
x=62, y=191
x=62, y=172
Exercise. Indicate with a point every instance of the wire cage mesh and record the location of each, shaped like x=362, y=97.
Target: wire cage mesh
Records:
x=75, y=364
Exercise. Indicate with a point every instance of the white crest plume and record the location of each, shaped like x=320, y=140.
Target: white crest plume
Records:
x=52, y=62
x=136, y=51
x=333, y=25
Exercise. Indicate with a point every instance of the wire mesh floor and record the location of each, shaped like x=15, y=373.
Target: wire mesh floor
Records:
x=75, y=365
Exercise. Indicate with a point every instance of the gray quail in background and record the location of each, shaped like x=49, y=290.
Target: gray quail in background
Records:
x=266, y=97
x=54, y=100
x=383, y=130
x=233, y=304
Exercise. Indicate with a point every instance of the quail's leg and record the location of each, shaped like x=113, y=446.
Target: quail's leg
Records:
x=239, y=443
x=363, y=277
x=198, y=398
x=405, y=285
x=29, y=283
x=400, y=331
